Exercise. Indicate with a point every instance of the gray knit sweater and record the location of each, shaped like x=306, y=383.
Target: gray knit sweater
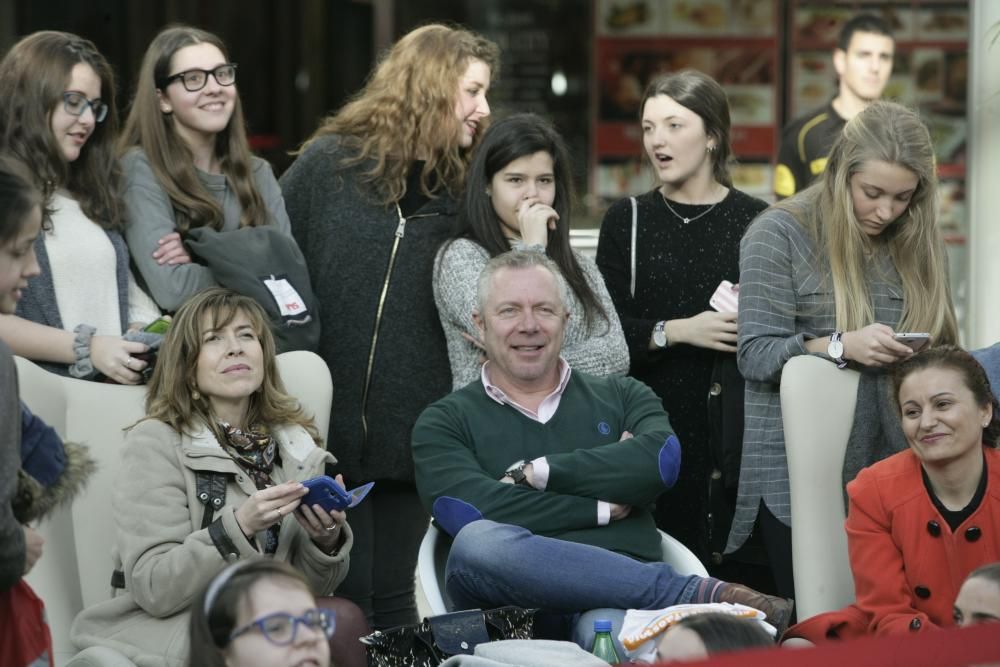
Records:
x=598, y=350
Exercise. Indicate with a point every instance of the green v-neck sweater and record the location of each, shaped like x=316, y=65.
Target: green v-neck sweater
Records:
x=463, y=443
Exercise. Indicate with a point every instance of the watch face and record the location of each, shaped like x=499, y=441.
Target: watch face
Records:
x=835, y=349
x=660, y=338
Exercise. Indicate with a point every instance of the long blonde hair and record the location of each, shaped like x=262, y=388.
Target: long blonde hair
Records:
x=172, y=387
x=894, y=134
x=172, y=162
x=408, y=105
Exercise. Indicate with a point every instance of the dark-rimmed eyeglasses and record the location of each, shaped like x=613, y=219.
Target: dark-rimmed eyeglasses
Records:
x=76, y=103
x=280, y=628
x=195, y=79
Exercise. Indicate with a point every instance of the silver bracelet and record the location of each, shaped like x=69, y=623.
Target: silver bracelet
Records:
x=84, y=367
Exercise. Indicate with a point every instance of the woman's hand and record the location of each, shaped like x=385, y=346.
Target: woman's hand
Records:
x=32, y=548
x=171, y=250
x=709, y=329
x=874, y=345
x=112, y=356
x=323, y=527
x=535, y=220
x=266, y=507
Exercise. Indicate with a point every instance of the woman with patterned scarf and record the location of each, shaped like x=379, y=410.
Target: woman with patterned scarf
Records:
x=214, y=474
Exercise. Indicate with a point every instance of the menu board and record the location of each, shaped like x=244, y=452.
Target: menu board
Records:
x=733, y=41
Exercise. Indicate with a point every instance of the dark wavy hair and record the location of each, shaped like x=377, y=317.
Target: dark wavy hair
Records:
x=18, y=197
x=723, y=632
x=704, y=96
x=507, y=140
x=973, y=375
x=33, y=77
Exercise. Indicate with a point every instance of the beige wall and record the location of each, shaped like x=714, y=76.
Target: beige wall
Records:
x=983, y=182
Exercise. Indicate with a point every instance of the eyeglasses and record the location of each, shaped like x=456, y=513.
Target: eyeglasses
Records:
x=76, y=103
x=195, y=79
x=280, y=628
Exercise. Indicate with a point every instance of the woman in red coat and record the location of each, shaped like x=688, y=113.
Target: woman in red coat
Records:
x=921, y=520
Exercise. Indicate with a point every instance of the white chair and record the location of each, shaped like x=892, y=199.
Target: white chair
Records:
x=817, y=406
x=55, y=577
x=433, y=557
x=75, y=570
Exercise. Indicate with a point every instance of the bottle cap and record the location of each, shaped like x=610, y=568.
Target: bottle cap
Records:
x=602, y=625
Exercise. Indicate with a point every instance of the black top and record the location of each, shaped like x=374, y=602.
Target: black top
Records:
x=414, y=198
x=805, y=145
x=954, y=518
x=678, y=268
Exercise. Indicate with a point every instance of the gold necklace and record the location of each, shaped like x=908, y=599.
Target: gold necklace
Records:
x=681, y=217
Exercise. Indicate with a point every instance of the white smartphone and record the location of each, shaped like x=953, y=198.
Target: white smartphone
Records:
x=915, y=341
x=726, y=297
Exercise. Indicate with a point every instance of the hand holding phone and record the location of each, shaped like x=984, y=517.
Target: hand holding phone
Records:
x=726, y=297
x=328, y=494
x=915, y=341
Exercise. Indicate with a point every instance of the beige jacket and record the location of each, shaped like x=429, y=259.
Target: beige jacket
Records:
x=165, y=554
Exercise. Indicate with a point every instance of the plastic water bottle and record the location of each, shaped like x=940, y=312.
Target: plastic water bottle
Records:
x=604, y=646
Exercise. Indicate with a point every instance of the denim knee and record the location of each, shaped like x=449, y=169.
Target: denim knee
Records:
x=479, y=543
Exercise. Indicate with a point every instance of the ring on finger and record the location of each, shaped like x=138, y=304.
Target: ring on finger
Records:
x=278, y=510
x=332, y=528
x=128, y=363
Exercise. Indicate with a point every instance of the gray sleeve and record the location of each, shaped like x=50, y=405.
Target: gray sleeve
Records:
x=768, y=336
x=456, y=277
x=602, y=350
x=150, y=217
x=270, y=191
x=12, y=553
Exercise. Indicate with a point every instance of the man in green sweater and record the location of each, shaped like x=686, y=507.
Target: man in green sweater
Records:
x=543, y=475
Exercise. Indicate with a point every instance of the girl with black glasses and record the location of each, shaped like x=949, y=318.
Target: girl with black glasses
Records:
x=57, y=114
x=187, y=162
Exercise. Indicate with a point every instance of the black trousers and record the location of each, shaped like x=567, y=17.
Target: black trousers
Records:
x=388, y=527
x=777, y=538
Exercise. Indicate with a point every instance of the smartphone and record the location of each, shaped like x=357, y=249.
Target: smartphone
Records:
x=726, y=297
x=915, y=341
x=328, y=494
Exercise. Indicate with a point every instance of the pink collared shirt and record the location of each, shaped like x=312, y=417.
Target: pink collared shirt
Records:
x=546, y=410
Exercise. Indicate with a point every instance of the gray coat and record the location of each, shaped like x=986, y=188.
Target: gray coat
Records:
x=381, y=336
x=12, y=554
x=786, y=299
x=168, y=558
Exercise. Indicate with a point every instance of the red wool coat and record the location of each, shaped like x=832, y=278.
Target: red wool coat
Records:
x=907, y=563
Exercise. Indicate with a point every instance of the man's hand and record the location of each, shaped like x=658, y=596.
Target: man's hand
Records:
x=619, y=512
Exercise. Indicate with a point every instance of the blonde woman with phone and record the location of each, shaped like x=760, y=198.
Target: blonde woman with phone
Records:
x=835, y=271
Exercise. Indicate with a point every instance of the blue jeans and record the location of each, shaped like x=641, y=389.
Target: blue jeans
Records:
x=493, y=564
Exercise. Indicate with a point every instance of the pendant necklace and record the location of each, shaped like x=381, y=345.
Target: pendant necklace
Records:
x=681, y=217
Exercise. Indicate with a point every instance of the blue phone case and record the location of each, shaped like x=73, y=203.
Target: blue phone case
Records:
x=328, y=494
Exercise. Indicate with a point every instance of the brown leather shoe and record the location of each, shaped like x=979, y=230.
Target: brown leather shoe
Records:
x=778, y=610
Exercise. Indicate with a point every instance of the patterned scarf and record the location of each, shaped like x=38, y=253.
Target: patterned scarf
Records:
x=255, y=451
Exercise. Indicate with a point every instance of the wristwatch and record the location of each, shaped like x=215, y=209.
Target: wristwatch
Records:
x=516, y=473
x=836, y=349
x=660, y=334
